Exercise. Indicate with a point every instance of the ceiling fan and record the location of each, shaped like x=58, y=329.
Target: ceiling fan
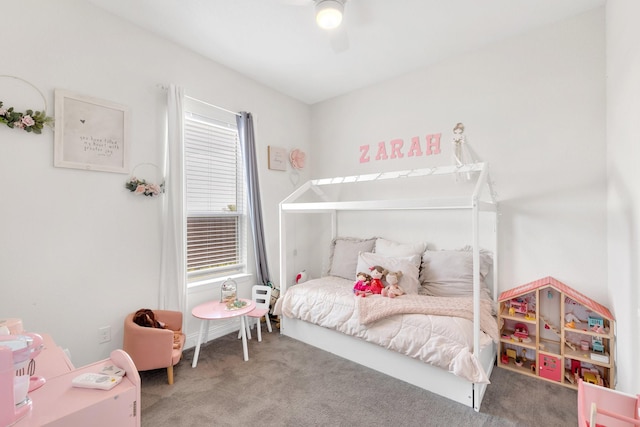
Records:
x=329, y=18
x=329, y=13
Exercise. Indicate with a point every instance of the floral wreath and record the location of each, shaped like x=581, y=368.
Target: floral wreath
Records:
x=142, y=187
x=28, y=121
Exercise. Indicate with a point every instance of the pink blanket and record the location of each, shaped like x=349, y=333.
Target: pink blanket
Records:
x=376, y=307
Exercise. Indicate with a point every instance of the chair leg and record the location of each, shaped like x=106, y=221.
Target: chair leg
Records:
x=170, y=374
x=259, y=328
x=266, y=319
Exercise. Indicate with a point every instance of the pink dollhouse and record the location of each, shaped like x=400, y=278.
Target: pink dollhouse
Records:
x=562, y=335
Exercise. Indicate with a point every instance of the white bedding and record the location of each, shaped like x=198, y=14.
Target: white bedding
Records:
x=443, y=341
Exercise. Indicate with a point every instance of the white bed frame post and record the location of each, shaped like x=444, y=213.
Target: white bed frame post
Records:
x=478, y=389
x=283, y=250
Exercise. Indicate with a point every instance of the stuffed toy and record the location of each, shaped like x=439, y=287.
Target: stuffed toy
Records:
x=302, y=277
x=377, y=275
x=393, y=290
x=147, y=319
x=361, y=285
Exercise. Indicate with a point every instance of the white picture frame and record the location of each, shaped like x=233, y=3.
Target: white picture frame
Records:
x=90, y=133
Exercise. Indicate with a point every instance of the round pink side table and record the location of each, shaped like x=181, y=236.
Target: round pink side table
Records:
x=216, y=310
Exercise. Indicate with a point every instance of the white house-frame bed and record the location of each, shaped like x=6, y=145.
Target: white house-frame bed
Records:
x=314, y=197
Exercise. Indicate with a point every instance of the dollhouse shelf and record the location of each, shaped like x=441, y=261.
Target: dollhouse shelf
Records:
x=552, y=332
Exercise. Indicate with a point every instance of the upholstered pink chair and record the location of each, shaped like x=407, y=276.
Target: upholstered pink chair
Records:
x=153, y=348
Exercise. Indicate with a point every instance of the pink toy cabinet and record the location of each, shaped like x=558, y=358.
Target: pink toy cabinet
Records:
x=550, y=367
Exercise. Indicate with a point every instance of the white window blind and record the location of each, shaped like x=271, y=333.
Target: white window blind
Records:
x=215, y=207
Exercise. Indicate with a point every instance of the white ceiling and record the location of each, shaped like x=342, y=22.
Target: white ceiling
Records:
x=277, y=43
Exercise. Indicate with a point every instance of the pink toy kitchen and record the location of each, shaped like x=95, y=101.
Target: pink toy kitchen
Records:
x=39, y=386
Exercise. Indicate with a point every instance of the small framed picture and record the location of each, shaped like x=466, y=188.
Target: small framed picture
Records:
x=277, y=158
x=90, y=133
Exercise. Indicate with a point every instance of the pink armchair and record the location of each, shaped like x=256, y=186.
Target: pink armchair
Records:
x=153, y=348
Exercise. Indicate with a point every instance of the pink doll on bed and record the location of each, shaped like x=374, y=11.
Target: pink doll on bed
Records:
x=394, y=289
x=361, y=285
x=377, y=274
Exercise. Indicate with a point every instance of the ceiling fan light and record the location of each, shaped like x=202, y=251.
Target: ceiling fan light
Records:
x=329, y=13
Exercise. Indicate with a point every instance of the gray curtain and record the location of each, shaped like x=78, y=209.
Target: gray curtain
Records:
x=248, y=144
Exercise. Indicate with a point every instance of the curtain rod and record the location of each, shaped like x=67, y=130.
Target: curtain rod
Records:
x=203, y=102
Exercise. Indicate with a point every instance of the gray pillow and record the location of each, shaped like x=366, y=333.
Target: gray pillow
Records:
x=343, y=258
x=450, y=273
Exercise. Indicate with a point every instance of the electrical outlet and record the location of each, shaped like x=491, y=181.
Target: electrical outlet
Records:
x=104, y=334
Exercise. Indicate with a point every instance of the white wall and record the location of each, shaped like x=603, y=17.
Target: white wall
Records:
x=78, y=250
x=534, y=108
x=623, y=107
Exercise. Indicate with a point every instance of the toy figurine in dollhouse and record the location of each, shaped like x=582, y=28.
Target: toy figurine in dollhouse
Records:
x=592, y=377
x=597, y=345
x=511, y=353
x=595, y=321
x=596, y=324
x=570, y=317
x=519, y=305
x=521, y=333
x=521, y=330
x=587, y=373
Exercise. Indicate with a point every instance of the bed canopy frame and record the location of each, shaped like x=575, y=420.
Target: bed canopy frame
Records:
x=470, y=190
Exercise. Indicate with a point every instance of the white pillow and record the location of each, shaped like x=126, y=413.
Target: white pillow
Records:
x=344, y=255
x=409, y=280
x=390, y=248
x=450, y=273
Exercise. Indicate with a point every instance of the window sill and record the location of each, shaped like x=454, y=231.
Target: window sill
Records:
x=240, y=277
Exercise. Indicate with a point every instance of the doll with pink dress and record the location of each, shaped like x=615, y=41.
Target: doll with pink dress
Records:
x=361, y=285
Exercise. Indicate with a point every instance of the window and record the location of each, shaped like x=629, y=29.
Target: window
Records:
x=216, y=242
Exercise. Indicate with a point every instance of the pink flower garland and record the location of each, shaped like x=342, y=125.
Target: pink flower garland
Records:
x=141, y=187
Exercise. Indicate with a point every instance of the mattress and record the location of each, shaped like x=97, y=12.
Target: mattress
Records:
x=445, y=341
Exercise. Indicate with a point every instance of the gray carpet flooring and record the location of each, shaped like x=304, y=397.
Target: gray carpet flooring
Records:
x=289, y=383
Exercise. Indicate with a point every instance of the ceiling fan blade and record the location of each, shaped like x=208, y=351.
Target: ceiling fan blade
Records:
x=339, y=39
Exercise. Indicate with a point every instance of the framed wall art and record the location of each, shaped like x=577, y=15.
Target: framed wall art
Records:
x=90, y=133
x=277, y=158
